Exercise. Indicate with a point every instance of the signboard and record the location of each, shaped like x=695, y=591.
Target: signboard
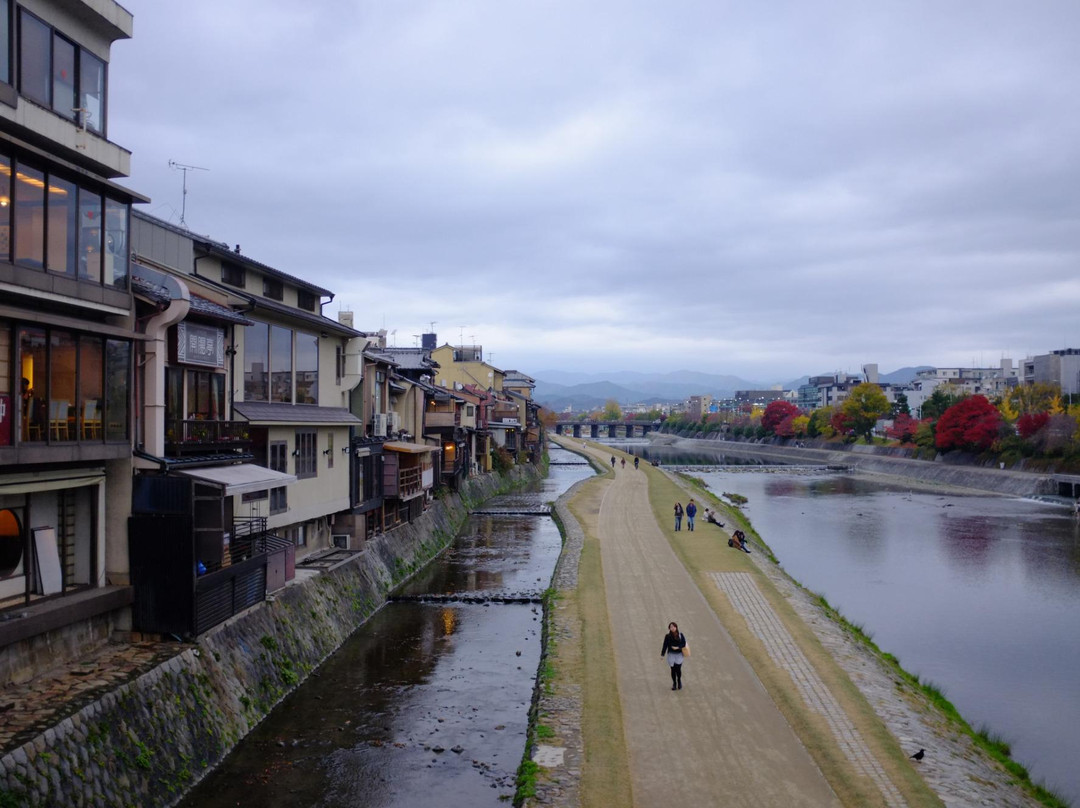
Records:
x=7, y=415
x=200, y=345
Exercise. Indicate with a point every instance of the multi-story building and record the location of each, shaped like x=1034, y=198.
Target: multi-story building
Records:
x=243, y=460
x=1057, y=367
x=67, y=335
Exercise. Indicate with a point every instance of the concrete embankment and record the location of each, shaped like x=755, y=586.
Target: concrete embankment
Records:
x=869, y=459
x=149, y=741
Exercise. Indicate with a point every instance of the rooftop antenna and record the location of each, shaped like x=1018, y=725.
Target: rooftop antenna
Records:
x=175, y=166
x=415, y=340
x=432, y=329
x=461, y=335
x=393, y=334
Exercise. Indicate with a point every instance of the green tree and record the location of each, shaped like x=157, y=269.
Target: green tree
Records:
x=943, y=397
x=900, y=405
x=865, y=404
x=612, y=411
x=1026, y=399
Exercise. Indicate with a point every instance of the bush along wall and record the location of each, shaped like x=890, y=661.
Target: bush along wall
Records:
x=152, y=739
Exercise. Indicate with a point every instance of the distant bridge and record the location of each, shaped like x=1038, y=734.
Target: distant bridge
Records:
x=605, y=429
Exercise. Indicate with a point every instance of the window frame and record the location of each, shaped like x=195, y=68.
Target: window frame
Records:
x=278, y=460
x=306, y=454
x=74, y=111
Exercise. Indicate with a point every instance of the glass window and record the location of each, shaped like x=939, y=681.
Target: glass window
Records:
x=35, y=53
x=34, y=384
x=281, y=381
x=89, y=236
x=5, y=209
x=116, y=251
x=279, y=497
x=63, y=77
x=330, y=450
x=307, y=368
x=5, y=41
x=91, y=373
x=30, y=217
x=306, y=465
x=305, y=300
x=63, y=215
x=232, y=275
x=256, y=362
x=174, y=404
x=62, y=387
x=206, y=395
x=92, y=91
x=117, y=384
x=273, y=289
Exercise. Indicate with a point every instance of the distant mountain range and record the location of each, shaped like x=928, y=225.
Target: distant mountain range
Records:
x=558, y=389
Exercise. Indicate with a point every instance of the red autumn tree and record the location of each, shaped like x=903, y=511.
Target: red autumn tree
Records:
x=972, y=424
x=1030, y=423
x=839, y=422
x=903, y=428
x=786, y=428
x=776, y=412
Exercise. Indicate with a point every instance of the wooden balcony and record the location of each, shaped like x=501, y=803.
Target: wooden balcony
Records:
x=441, y=419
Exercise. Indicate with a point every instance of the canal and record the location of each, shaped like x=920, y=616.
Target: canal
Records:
x=979, y=595
x=428, y=701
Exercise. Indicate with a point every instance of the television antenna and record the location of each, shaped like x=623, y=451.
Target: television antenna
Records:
x=175, y=166
x=431, y=330
x=416, y=340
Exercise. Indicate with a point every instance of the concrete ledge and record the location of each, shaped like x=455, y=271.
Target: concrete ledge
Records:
x=49, y=615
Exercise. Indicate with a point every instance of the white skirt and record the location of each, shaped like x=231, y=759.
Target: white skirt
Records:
x=674, y=658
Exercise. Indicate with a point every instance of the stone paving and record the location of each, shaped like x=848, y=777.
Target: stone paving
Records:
x=748, y=601
x=560, y=758
x=28, y=709
x=959, y=772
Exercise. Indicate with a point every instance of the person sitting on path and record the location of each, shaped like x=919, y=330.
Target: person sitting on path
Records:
x=678, y=516
x=691, y=512
x=674, y=645
x=710, y=516
x=738, y=541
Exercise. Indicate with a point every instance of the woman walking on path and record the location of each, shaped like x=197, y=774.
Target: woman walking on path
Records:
x=674, y=646
x=678, y=516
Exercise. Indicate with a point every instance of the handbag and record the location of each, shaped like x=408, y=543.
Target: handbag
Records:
x=686, y=650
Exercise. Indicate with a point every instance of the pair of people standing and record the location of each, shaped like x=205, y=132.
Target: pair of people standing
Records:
x=676, y=650
x=691, y=512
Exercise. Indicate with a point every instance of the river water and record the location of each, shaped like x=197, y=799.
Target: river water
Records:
x=979, y=595
x=427, y=703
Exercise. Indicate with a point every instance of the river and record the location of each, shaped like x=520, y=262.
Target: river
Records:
x=979, y=595
x=426, y=702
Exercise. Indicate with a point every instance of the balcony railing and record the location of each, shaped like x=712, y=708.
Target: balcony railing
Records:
x=410, y=483
x=194, y=436
x=441, y=419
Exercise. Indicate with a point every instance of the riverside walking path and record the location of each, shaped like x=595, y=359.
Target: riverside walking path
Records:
x=724, y=739
x=720, y=740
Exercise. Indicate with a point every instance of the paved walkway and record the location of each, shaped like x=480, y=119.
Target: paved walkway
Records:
x=719, y=741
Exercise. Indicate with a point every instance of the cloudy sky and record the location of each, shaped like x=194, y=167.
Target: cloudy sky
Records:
x=763, y=189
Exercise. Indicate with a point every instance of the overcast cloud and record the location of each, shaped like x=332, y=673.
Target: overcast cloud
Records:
x=763, y=189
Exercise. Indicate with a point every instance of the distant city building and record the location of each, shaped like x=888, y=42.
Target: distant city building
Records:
x=698, y=406
x=1057, y=367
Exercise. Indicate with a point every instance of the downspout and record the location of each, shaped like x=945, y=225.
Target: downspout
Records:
x=155, y=357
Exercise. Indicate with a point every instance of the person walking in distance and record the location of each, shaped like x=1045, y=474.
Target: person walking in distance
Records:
x=678, y=516
x=691, y=512
x=675, y=650
x=613, y=461
x=623, y=462
x=636, y=460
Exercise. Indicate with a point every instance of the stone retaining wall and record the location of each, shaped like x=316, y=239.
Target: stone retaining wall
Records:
x=979, y=478
x=149, y=741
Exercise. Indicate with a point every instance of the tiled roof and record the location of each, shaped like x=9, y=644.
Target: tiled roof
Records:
x=208, y=308
x=264, y=411
x=411, y=358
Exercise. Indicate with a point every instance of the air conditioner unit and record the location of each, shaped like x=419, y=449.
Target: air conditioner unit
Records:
x=379, y=424
x=395, y=421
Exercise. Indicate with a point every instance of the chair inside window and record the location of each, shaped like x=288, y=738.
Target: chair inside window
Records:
x=58, y=420
x=91, y=420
